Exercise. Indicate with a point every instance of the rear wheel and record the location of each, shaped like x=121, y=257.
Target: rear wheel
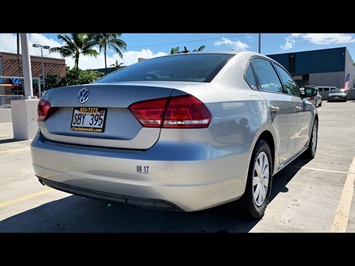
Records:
x=312, y=148
x=258, y=188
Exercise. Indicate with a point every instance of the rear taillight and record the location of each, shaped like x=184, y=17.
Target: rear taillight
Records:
x=43, y=110
x=175, y=112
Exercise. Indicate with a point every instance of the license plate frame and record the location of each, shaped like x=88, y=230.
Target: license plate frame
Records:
x=88, y=119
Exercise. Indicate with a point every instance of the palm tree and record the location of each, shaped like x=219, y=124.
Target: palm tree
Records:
x=177, y=50
x=199, y=49
x=117, y=65
x=107, y=41
x=76, y=44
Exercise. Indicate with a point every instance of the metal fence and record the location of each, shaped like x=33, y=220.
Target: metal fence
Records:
x=5, y=100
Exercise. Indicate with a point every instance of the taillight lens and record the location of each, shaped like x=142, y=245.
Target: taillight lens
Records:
x=43, y=110
x=183, y=111
x=149, y=113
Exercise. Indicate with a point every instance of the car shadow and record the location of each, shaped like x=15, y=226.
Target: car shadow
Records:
x=3, y=141
x=75, y=214
x=281, y=179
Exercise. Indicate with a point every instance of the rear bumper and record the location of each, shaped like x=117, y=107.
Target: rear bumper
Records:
x=337, y=99
x=155, y=204
x=180, y=177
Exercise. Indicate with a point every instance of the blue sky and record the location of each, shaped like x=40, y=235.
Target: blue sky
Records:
x=148, y=45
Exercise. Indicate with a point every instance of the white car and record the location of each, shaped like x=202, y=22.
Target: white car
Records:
x=182, y=132
x=313, y=95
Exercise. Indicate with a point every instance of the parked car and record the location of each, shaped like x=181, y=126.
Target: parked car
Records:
x=313, y=96
x=181, y=132
x=337, y=95
x=324, y=90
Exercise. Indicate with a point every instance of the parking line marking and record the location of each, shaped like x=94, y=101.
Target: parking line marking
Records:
x=341, y=219
x=25, y=198
x=322, y=170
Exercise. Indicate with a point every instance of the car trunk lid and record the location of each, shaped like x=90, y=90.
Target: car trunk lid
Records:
x=99, y=115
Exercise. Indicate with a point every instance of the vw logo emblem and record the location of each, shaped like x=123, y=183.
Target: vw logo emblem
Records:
x=83, y=95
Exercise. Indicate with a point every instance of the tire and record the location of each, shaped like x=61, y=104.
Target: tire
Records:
x=259, y=182
x=310, y=153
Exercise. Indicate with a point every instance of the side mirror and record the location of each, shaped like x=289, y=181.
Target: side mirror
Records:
x=303, y=93
x=314, y=92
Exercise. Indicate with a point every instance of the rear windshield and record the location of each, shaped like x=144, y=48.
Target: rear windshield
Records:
x=182, y=67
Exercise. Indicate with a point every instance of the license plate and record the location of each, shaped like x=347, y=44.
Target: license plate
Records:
x=89, y=119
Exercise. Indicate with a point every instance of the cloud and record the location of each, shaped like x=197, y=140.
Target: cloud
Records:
x=130, y=57
x=289, y=44
x=331, y=38
x=317, y=39
x=234, y=45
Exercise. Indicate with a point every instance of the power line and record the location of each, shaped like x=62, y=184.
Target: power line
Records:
x=185, y=42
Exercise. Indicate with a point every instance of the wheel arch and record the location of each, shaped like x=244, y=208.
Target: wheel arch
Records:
x=267, y=136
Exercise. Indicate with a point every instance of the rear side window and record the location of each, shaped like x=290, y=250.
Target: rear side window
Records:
x=287, y=81
x=249, y=77
x=266, y=75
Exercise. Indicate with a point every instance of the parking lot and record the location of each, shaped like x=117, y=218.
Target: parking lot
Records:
x=308, y=196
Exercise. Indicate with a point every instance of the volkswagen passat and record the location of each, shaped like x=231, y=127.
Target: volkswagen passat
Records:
x=182, y=132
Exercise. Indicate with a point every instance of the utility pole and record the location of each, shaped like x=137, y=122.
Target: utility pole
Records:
x=26, y=62
x=259, y=50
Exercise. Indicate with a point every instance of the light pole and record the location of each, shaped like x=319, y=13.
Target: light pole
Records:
x=42, y=47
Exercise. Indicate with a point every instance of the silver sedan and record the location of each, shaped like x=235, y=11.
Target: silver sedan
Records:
x=337, y=95
x=182, y=132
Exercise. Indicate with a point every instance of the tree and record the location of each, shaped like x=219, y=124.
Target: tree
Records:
x=107, y=41
x=117, y=65
x=76, y=44
x=177, y=50
x=85, y=77
x=199, y=49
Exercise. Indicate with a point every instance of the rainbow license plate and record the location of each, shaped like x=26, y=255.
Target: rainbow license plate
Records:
x=89, y=119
